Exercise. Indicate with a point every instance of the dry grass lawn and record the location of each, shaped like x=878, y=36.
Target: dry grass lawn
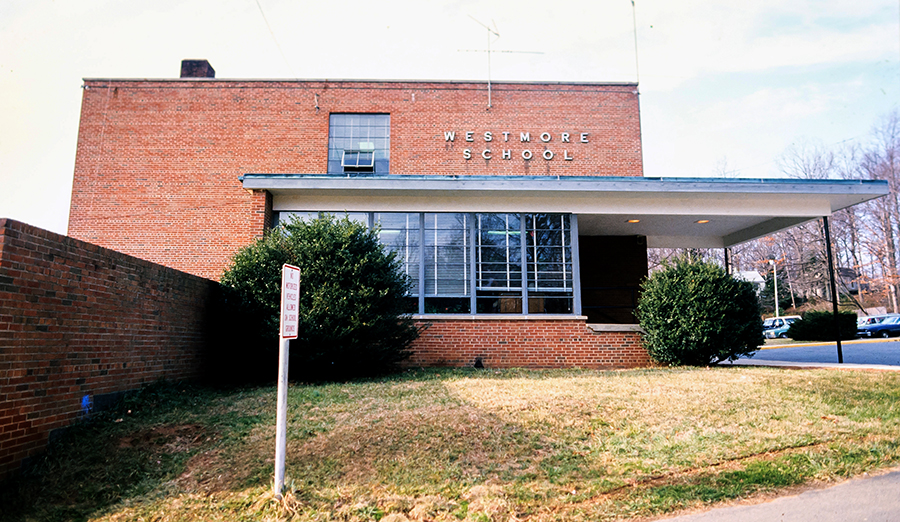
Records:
x=490, y=446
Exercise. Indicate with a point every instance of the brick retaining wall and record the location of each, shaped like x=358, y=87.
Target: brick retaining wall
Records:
x=82, y=323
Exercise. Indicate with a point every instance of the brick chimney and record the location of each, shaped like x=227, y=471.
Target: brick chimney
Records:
x=197, y=69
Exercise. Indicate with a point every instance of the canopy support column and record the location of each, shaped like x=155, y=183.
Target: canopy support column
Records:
x=834, y=294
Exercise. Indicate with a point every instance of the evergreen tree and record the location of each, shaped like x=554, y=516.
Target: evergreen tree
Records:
x=352, y=298
x=694, y=313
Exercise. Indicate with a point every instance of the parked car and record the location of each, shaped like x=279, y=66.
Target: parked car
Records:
x=872, y=319
x=887, y=327
x=777, y=327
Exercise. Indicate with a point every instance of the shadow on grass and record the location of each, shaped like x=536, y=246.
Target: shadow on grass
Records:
x=128, y=451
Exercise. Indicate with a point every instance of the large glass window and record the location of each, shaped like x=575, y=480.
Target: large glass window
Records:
x=359, y=143
x=460, y=263
x=400, y=233
x=285, y=217
x=447, y=263
x=548, y=257
x=499, y=263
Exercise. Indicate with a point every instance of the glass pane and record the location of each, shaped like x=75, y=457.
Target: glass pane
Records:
x=397, y=220
x=360, y=133
x=547, y=221
x=434, y=237
x=499, y=305
x=446, y=255
x=446, y=221
x=499, y=222
x=447, y=305
x=499, y=248
x=360, y=217
x=411, y=305
x=286, y=217
x=446, y=280
x=501, y=254
x=549, y=305
x=350, y=159
x=399, y=233
x=399, y=239
x=549, y=253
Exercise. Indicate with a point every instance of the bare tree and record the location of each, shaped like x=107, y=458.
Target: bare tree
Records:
x=881, y=160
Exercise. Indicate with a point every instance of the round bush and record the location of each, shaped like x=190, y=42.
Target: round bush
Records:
x=819, y=326
x=695, y=314
x=352, y=298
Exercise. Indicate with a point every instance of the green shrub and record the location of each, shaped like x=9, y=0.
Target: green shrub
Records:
x=694, y=313
x=352, y=299
x=819, y=326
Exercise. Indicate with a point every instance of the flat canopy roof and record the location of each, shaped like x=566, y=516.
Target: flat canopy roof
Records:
x=670, y=212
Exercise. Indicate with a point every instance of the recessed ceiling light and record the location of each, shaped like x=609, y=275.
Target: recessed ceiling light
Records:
x=633, y=221
x=702, y=221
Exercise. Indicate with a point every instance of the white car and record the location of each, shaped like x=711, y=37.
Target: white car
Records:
x=866, y=320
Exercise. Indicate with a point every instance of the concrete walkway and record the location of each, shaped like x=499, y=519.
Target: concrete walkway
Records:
x=871, y=499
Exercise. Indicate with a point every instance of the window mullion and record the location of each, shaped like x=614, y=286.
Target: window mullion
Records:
x=480, y=258
x=523, y=250
x=473, y=284
x=562, y=224
x=576, y=262
x=437, y=290
x=534, y=250
x=465, y=250
x=422, y=261
x=506, y=248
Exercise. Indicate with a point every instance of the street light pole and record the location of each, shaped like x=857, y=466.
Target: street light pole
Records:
x=775, y=278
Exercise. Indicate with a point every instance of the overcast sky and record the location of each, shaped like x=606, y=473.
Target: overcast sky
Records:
x=725, y=85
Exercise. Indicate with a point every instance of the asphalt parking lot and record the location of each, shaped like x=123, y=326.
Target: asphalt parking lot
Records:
x=868, y=352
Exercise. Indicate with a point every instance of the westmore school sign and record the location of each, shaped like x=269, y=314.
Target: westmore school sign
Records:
x=496, y=143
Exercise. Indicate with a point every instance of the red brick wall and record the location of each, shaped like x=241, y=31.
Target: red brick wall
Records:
x=157, y=163
x=525, y=344
x=78, y=320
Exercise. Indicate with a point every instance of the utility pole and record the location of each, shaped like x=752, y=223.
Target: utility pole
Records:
x=775, y=280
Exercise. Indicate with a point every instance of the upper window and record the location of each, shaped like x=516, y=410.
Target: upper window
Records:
x=359, y=143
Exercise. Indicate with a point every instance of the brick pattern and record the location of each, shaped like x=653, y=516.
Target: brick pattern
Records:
x=79, y=320
x=157, y=162
x=525, y=344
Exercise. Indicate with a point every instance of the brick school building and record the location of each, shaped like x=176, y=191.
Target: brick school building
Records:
x=519, y=210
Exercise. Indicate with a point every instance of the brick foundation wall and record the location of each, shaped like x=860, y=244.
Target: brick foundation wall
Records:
x=158, y=161
x=78, y=320
x=563, y=343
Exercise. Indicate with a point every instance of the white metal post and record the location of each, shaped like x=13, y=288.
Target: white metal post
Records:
x=290, y=279
x=281, y=416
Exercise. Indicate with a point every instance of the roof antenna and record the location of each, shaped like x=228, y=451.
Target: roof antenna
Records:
x=637, y=68
x=490, y=32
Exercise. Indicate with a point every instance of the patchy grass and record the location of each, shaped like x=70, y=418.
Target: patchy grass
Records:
x=469, y=445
